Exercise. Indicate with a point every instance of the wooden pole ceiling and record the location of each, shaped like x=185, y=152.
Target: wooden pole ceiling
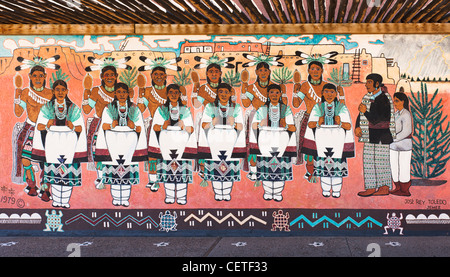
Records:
x=222, y=11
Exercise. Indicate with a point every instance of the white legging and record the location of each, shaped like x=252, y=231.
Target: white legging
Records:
x=121, y=194
x=222, y=190
x=273, y=190
x=61, y=195
x=401, y=165
x=178, y=191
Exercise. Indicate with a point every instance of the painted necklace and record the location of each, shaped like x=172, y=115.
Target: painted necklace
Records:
x=123, y=111
x=274, y=115
x=174, y=112
x=60, y=110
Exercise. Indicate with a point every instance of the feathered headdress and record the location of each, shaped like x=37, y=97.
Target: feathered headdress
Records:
x=213, y=60
x=108, y=61
x=324, y=59
x=38, y=61
x=262, y=59
x=159, y=62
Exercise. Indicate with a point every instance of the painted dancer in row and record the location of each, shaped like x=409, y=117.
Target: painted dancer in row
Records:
x=310, y=92
x=121, y=145
x=97, y=98
x=273, y=141
x=222, y=142
x=60, y=144
x=173, y=143
x=154, y=96
x=29, y=101
x=256, y=95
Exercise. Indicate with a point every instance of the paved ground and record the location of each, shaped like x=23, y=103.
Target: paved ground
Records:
x=231, y=247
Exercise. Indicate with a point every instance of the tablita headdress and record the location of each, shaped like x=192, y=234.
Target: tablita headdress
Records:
x=108, y=61
x=38, y=61
x=159, y=62
x=263, y=59
x=324, y=59
x=213, y=60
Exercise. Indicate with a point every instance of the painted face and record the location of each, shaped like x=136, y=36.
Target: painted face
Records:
x=60, y=93
x=159, y=77
x=109, y=77
x=274, y=96
x=398, y=104
x=315, y=72
x=122, y=95
x=224, y=95
x=214, y=74
x=370, y=85
x=263, y=74
x=38, y=78
x=173, y=95
x=329, y=95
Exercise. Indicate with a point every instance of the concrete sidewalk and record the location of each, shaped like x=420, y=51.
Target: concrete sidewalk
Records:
x=225, y=247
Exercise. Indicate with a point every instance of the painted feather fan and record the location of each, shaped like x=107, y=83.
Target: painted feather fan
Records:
x=108, y=61
x=223, y=63
x=38, y=61
x=324, y=59
x=159, y=62
x=262, y=59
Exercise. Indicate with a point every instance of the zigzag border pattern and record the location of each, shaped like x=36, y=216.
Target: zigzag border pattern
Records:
x=241, y=222
x=326, y=218
x=112, y=220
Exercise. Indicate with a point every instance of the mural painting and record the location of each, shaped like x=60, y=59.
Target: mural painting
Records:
x=221, y=134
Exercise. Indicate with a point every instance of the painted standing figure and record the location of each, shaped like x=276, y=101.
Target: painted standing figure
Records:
x=154, y=96
x=329, y=139
x=222, y=143
x=375, y=127
x=97, y=98
x=272, y=140
x=29, y=100
x=60, y=143
x=121, y=145
x=173, y=143
x=401, y=148
x=256, y=95
x=310, y=92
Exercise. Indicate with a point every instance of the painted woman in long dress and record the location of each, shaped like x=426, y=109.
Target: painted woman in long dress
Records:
x=173, y=143
x=60, y=143
x=121, y=145
x=272, y=140
x=222, y=142
x=329, y=139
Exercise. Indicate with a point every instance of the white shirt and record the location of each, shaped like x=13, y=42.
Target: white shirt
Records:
x=403, y=129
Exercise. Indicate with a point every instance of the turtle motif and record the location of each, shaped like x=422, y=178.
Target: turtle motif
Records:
x=53, y=221
x=394, y=223
x=280, y=221
x=168, y=221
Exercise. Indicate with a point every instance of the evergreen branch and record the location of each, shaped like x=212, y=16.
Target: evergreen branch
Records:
x=73, y=113
x=112, y=111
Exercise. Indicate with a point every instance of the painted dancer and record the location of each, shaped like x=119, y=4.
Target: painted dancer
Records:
x=272, y=140
x=375, y=127
x=173, y=143
x=329, y=139
x=29, y=100
x=256, y=95
x=60, y=143
x=222, y=143
x=206, y=93
x=310, y=92
x=154, y=96
x=121, y=145
x=98, y=98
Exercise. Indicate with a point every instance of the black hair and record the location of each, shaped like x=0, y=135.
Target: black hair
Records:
x=158, y=68
x=328, y=86
x=319, y=64
x=402, y=97
x=274, y=86
x=106, y=68
x=37, y=68
x=174, y=87
x=225, y=86
x=262, y=65
x=376, y=78
x=213, y=65
x=125, y=87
